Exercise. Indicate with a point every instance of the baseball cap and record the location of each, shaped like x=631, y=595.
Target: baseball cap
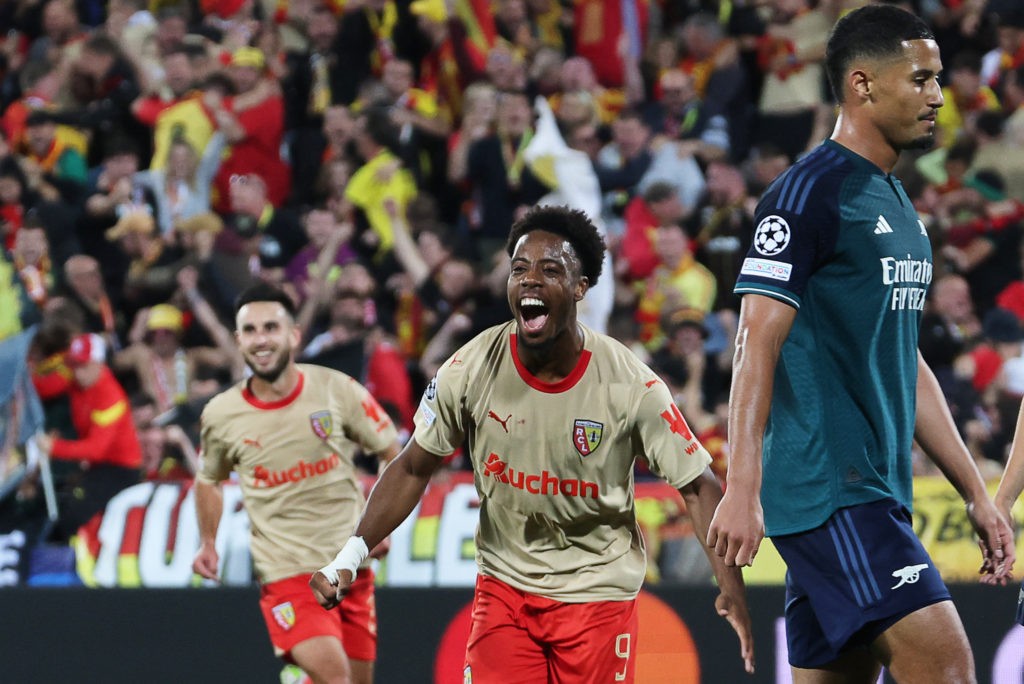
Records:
x=683, y=316
x=199, y=223
x=1002, y=325
x=435, y=10
x=86, y=348
x=38, y=117
x=248, y=57
x=165, y=317
x=225, y=9
x=136, y=221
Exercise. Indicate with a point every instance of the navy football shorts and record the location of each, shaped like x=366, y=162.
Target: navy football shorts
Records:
x=852, y=578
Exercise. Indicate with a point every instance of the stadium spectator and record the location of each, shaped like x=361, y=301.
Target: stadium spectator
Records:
x=354, y=343
x=679, y=280
x=161, y=365
x=173, y=108
x=253, y=120
x=30, y=257
x=380, y=179
x=85, y=288
x=790, y=56
x=107, y=448
x=266, y=236
x=181, y=190
x=327, y=239
x=54, y=167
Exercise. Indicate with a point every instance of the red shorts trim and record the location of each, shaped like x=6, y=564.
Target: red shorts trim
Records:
x=521, y=638
x=292, y=615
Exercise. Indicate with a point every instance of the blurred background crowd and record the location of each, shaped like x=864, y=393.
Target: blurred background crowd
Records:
x=158, y=156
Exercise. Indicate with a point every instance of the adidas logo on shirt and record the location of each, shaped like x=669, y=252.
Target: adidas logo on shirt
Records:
x=882, y=226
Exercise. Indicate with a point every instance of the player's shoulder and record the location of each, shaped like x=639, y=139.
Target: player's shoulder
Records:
x=813, y=180
x=482, y=351
x=319, y=376
x=224, y=404
x=618, y=360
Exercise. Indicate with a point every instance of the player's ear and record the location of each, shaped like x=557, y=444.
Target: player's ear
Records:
x=860, y=83
x=582, y=285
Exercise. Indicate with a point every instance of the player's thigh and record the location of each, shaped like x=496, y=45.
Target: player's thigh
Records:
x=359, y=618
x=928, y=645
x=592, y=643
x=856, y=666
x=500, y=650
x=852, y=579
x=323, y=659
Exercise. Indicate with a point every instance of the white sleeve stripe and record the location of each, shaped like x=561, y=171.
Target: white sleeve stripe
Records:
x=774, y=294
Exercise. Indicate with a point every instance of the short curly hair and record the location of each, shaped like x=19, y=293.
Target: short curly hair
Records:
x=574, y=226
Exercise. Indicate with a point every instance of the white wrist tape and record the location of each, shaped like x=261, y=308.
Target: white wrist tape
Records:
x=349, y=558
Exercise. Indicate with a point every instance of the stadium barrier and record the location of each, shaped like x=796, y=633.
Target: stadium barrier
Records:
x=217, y=635
x=148, y=535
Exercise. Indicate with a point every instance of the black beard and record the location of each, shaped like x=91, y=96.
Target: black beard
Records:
x=925, y=142
x=271, y=376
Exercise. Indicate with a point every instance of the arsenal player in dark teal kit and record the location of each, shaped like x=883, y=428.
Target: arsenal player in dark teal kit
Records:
x=829, y=391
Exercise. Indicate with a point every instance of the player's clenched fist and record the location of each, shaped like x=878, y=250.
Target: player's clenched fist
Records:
x=206, y=561
x=332, y=581
x=329, y=594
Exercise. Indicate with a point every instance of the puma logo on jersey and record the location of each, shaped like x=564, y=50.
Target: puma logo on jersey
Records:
x=909, y=575
x=504, y=423
x=882, y=226
x=252, y=442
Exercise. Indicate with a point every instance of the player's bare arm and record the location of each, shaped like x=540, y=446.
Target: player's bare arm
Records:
x=397, y=491
x=935, y=431
x=209, y=505
x=1012, y=482
x=385, y=457
x=737, y=528
x=702, y=496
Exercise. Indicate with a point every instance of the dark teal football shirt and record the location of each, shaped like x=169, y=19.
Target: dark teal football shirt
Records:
x=839, y=240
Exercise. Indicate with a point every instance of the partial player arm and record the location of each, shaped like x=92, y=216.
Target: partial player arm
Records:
x=702, y=496
x=209, y=506
x=935, y=431
x=737, y=528
x=398, y=490
x=1012, y=482
x=214, y=468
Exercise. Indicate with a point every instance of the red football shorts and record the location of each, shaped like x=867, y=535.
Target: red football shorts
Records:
x=293, y=615
x=520, y=638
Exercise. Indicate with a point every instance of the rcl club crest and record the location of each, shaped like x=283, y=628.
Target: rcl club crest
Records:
x=321, y=423
x=586, y=435
x=284, y=614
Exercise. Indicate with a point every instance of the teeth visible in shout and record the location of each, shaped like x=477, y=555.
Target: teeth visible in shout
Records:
x=530, y=301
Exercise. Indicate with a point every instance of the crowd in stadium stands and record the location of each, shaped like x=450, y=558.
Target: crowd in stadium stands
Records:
x=158, y=156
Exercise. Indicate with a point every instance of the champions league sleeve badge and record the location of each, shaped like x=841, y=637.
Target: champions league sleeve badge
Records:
x=586, y=435
x=322, y=423
x=771, y=236
x=429, y=395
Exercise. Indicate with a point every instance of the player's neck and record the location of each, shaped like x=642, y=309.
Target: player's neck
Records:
x=865, y=140
x=280, y=388
x=555, y=362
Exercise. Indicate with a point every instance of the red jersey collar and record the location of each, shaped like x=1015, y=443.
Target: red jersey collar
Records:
x=566, y=383
x=279, y=403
